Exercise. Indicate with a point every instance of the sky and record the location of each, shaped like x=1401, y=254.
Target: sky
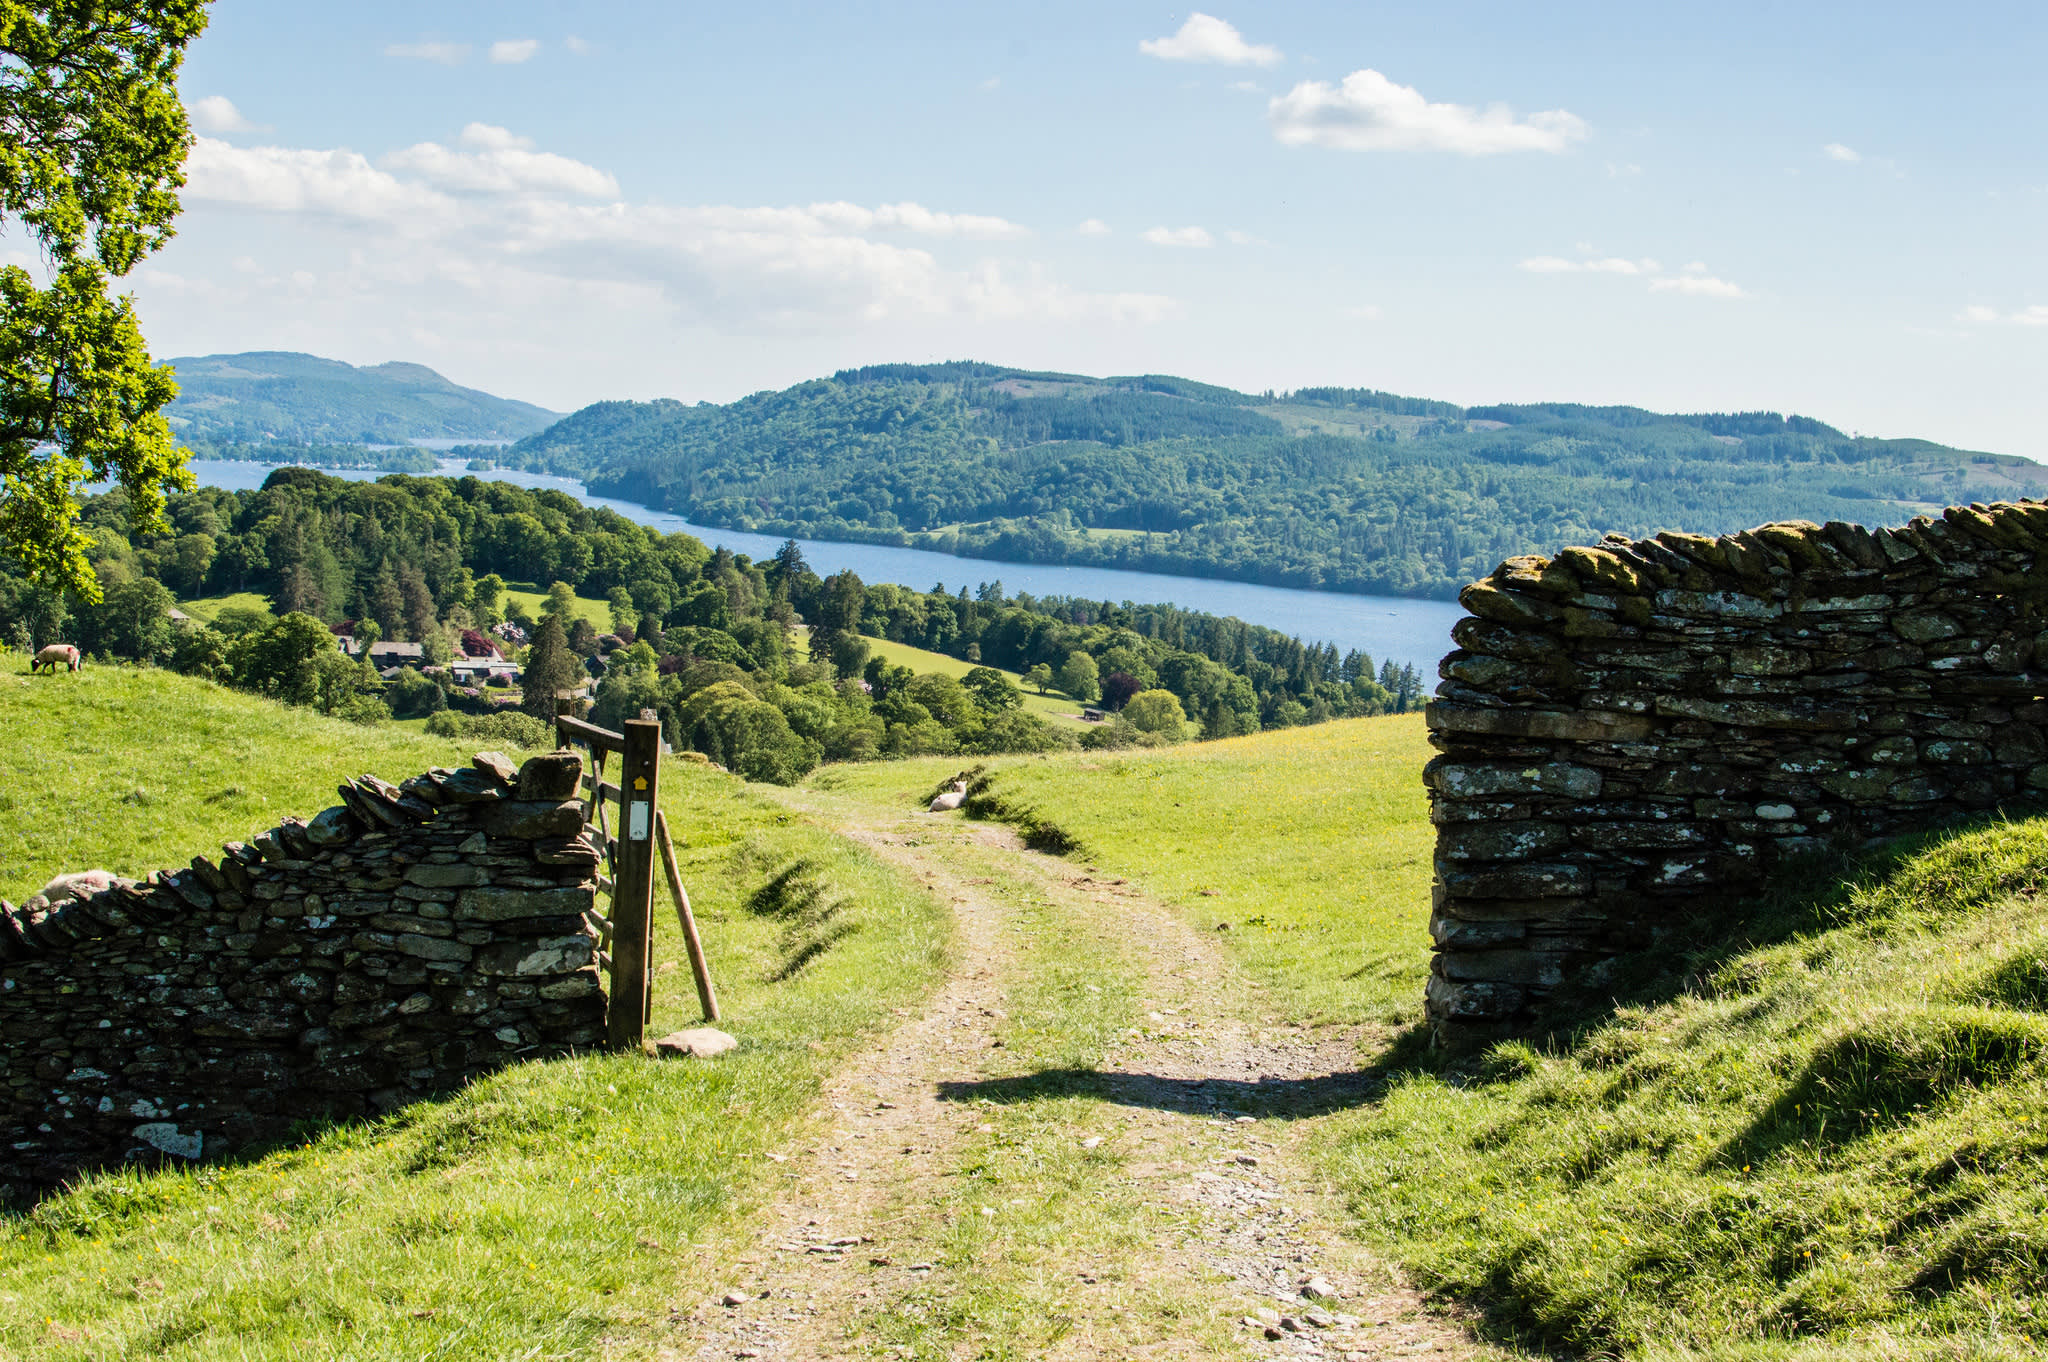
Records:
x=1833, y=209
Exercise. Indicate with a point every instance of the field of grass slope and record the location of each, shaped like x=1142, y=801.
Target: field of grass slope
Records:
x=1055, y=708
x=1306, y=850
x=1822, y=1136
x=1829, y=1144
x=1817, y=1135
x=556, y=1209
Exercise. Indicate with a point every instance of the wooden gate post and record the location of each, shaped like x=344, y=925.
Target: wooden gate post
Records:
x=633, y=896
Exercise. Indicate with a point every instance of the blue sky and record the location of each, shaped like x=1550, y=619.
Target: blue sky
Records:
x=1833, y=209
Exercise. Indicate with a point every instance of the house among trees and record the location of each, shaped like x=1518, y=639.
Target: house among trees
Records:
x=387, y=653
x=478, y=671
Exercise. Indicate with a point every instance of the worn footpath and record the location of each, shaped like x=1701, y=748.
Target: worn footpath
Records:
x=1090, y=1144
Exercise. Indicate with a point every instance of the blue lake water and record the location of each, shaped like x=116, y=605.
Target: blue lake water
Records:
x=1408, y=631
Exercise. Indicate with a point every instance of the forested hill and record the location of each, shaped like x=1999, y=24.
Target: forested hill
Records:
x=1338, y=488
x=277, y=396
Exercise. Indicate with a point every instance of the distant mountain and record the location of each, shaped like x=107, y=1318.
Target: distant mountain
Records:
x=1344, y=489
x=275, y=395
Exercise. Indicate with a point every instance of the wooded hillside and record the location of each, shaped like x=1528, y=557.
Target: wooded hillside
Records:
x=1336, y=488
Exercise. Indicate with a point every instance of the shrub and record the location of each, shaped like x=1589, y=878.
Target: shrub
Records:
x=202, y=652
x=507, y=729
x=1157, y=711
x=412, y=695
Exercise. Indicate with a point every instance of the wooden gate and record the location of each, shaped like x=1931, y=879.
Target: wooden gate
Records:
x=623, y=818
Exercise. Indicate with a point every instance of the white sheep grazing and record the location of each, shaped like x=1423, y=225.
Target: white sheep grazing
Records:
x=46, y=659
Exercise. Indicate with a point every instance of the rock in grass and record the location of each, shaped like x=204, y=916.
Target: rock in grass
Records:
x=702, y=1042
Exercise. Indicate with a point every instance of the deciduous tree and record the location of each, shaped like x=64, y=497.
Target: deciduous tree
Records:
x=92, y=145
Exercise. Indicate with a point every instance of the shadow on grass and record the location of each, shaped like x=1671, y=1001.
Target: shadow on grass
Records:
x=1279, y=1098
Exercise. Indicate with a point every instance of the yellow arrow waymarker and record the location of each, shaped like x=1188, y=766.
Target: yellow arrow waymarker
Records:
x=639, y=782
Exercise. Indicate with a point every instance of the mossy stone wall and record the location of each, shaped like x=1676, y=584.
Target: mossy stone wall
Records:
x=392, y=947
x=1634, y=730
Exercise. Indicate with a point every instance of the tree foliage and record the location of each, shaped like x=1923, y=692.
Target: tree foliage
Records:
x=716, y=649
x=92, y=144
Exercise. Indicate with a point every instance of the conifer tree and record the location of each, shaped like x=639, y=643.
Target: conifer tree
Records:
x=549, y=669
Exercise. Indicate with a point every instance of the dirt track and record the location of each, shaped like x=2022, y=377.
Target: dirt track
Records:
x=1209, y=1109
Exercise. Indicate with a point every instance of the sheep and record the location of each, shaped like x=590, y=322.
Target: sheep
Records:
x=81, y=884
x=48, y=658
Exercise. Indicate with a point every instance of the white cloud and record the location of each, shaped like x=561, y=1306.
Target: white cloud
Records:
x=914, y=217
x=1094, y=227
x=1698, y=286
x=991, y=84
x=512, y=51
x=1364, y=312
x=447, y=54
x=515, y=231
x=500, y=162
x=1204, y=37
x=1622, y=170
x=1368, y=112
x=1692, y=279
x=1179, y=236
x=337, y=183
x=217, y=113
x=579, y=46
x=1237, y=238
x=1835, y=151
x=1557, y=264
x=2037, y=315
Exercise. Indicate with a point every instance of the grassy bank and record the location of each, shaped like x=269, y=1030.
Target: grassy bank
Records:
x=542, y=1212
x=1309, y=848
x=134, y=770
x=1830, y=1146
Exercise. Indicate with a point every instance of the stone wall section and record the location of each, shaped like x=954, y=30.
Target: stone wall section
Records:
x=1631, y=730
x=390, y=948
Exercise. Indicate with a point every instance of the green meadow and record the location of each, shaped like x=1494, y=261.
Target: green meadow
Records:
x=1819, y=1134
x=1052, y=706
x=1306, y=850
x=533, y=1214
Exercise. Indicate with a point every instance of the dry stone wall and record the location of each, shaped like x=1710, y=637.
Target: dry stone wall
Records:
x=392, y=947
x=1630, y=730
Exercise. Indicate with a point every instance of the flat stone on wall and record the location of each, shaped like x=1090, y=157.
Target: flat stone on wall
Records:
x=1628, y=729
x=390, y=948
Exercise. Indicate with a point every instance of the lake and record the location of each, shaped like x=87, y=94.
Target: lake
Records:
x=1412, y=632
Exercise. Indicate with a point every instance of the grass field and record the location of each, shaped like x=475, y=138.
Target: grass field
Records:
x=529, y=1216
x=535, y=599
x=134, y=770
x=1054, y=707
x=205, y=608
x=1830, y=1146
x=1823, y=1139
x=1312, y=844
